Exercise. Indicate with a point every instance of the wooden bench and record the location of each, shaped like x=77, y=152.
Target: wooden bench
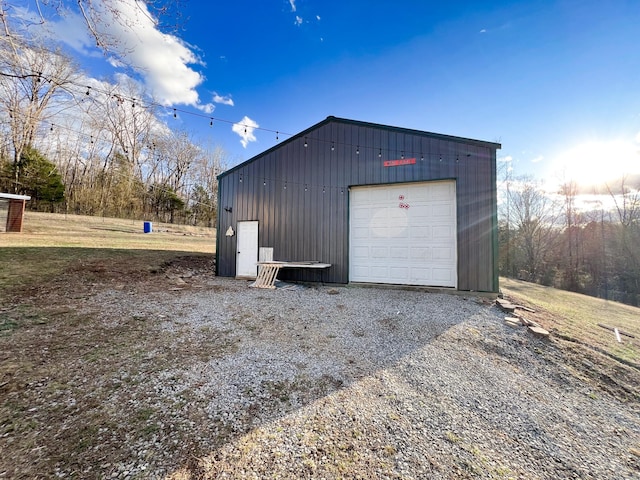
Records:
x=268, y=271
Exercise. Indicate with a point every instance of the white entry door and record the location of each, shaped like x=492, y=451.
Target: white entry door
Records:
x=247, y=250
x=404, y=234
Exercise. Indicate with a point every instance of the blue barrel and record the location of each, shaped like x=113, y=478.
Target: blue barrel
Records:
x=148, y=227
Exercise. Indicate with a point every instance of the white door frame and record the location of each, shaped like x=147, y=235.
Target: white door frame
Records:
x=247, y=249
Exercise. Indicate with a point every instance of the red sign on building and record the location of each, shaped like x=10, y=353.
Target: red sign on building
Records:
x=397, y=163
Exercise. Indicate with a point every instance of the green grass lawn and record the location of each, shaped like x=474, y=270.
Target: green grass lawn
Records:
x=577, y=316
x=54, y=243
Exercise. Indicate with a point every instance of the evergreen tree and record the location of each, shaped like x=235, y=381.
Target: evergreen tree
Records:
x=39, y=178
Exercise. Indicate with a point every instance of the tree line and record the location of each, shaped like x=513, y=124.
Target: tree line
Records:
x=546, y=238
x=84, y=146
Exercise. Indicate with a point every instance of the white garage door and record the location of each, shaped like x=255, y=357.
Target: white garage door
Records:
x=403, y=234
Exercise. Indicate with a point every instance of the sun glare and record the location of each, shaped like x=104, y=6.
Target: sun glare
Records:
x=597, y=162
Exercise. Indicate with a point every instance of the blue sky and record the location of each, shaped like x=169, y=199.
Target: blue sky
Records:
x=557, y=83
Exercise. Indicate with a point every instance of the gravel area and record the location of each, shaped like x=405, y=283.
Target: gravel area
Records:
x=227, y=381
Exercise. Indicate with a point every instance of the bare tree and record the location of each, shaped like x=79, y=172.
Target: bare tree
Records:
x=34, y=86
x=569, y=192
x=534, y=216
x=627, y=207
x=204, y=192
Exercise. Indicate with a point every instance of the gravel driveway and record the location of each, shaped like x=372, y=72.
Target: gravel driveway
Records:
x=226, y=381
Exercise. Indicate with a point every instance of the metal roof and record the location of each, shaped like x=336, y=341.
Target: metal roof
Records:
x=13, y=196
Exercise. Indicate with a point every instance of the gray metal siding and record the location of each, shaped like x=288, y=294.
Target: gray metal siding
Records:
x=300, y=195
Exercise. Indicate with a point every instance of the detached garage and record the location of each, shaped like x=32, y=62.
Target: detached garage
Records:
x=380, y=204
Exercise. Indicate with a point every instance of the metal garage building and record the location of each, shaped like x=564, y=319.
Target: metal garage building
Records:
x=381, y=204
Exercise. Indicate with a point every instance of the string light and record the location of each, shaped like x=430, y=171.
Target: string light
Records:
x=91, y=139
x=402, y=155
x=88, y=89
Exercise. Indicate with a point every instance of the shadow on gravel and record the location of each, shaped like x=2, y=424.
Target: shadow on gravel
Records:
x=133, y=368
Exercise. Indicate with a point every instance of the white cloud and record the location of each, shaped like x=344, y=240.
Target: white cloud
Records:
x=293, y=5
x=298, y=21
x=318, y=17
x=484, y=30
x=71, y=28
x=224, y=100
x=163, y=61
x=207, y=108
x=244, y=128
x=538, y=159
x=506, y=159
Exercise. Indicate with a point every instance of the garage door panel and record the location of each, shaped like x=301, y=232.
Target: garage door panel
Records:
x=420, y=275
x=442, y=274
x=441, y=210
x=399, y=252
x=398, y=274
x=442, y=253
x=360, y=252
x=378, y=195
x=404, y=234
x=441, y=191
x=360, y=214
x=361, y=232
x=378, y=271
x=360, y=271
x=420, y=254
x=421, y=233
x=443, y=233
